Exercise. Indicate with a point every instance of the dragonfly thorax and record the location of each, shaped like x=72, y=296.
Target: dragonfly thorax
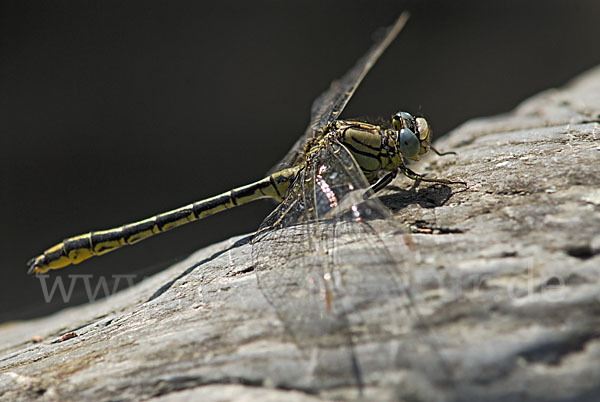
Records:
x=374, y=148
x=378, y=149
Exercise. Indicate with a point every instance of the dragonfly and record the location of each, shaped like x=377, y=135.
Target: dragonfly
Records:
x=326, y=186
x=332, y=158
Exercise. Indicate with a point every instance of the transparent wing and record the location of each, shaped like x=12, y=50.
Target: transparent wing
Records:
x=330, y=104
x=323, y=266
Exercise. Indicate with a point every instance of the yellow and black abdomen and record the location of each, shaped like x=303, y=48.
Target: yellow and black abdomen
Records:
x=79, y=248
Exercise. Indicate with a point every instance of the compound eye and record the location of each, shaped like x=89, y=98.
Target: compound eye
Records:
x=404, y=115
x=409, y=144
x=401, y=120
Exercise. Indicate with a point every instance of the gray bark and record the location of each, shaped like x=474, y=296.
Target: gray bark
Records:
x=498, y=292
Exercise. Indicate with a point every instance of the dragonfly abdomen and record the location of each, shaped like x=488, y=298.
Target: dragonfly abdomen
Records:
x=79, y=248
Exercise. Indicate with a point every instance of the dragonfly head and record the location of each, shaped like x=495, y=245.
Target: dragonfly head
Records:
x=414, y=135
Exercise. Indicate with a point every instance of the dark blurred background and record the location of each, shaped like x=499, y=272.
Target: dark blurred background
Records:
x=112, y=111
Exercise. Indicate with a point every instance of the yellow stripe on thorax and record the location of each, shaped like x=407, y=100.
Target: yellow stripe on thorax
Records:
x=364, y=141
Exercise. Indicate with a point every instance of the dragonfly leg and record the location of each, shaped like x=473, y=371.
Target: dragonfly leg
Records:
x=421, y=177
x=380, y=184
x=438, y=153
